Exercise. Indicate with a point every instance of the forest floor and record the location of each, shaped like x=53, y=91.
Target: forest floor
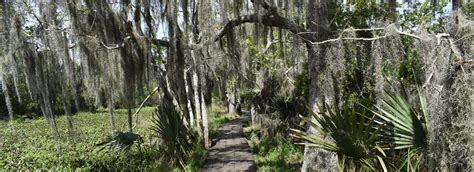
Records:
x=30, y=146
x=230, y=150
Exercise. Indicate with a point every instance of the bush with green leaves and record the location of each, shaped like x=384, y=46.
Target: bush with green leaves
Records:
x=277, y=154
x=390, y=136
x=432, y=16
x=468, y=9
x=348, y=132
x=176, y=139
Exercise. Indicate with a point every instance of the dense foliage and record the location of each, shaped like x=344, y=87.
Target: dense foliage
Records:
x=322, y=68
x=29, y=146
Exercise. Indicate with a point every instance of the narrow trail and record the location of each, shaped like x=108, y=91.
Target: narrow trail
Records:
x=231, y=151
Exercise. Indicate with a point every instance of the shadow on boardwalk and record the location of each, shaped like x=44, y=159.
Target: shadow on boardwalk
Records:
x=230, y=150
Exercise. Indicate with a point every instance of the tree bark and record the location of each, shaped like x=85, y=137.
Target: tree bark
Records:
x=221, y=86
x=176, y=60
x=208, y=90
x=7, y=98
x=129, y=117
x=111, y=111
x=232, y=99
x=197, y=101
x=317, y=19
x=66, y=107
x=188, y=102
x=205, y=124
x=456, y=4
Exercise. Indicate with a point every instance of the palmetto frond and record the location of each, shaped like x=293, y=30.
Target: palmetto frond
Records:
x=346, y=131
x=169, y=126
x=120, y=141
x=405, y=128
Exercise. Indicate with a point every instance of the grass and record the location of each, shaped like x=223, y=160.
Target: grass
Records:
x=275, y=153
x=31, y=146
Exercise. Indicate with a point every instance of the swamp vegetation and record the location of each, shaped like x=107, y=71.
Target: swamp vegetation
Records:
x=329, y=85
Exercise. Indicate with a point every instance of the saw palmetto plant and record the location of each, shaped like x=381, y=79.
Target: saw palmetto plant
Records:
x=169, y=127
x=405, y=128
x=120, y=141
x=364, y=137
x=405, y=134
x=347, y=131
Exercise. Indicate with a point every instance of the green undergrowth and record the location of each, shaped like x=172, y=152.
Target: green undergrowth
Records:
x=274, y=153
x=30, y=146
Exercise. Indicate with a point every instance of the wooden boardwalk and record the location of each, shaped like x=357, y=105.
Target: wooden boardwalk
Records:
x=230, y=150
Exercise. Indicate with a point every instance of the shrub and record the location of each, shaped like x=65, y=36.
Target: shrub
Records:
x=175, y=137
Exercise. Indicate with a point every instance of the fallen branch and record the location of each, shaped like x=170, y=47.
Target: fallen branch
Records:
x=142, y=104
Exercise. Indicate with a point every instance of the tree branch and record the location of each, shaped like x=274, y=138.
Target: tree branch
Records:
x=158, y=42
x=270, y=19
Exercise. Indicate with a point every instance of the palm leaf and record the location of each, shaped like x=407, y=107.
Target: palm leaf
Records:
x=170, y=128
x=120, y=141
x=405, y=129
x=346, y=131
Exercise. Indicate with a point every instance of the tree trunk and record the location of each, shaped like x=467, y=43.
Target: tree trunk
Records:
x=129, y=119
x=205, y=124
x=208, y=90
x=7, y=98
x=448, y=91
x=393, y=13
x=188, y=100
x=176, y=60
x=44, y=98
x=15, y=84
x=197, y=101
x=223, y=100
x=69, y=120
x=456, y=4
x=318, y=159
x=75, y=95
x=232, y=100
x=253, y=114
x=111, y=111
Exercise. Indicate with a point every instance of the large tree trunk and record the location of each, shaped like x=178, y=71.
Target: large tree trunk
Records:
x=319, y=90
x=188, y=100
x=111, y=111
x=7, y=97
x=449, y=89
x=129, y=117
x=197, y=101
x=205, y=124
x=208, y=90
x=15, y=82
x=456, y=4
x=44, y=96
x=231, y=96
x=66, y=107
x=74, y=84
x=176, y=60
x=221, y=86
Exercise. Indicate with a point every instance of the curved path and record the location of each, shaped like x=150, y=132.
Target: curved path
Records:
x=230, y=150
